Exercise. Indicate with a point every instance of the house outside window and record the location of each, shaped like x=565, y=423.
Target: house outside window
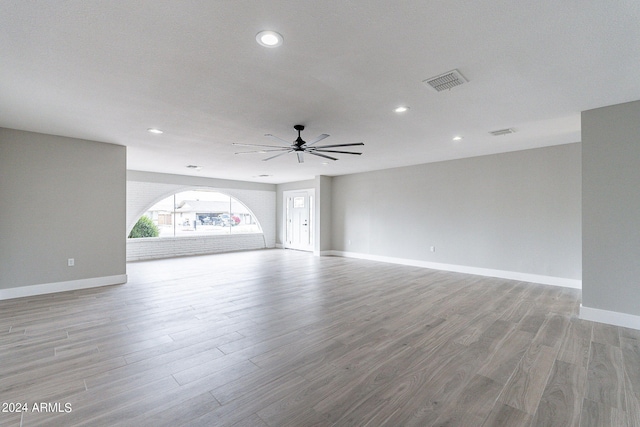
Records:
x=201, y=212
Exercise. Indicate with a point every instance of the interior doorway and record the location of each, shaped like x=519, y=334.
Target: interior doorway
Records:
x=299, y=208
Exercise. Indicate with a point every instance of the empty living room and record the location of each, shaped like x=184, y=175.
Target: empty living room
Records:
x=357, y=213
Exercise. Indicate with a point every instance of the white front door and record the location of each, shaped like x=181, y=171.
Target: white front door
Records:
x=299, y=218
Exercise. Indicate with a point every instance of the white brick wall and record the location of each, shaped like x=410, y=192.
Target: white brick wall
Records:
x=141, y=195
x=152, y=248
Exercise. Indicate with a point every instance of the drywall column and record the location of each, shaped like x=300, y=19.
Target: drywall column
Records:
x=62, y=198
x=323, y=185
x=611, y=214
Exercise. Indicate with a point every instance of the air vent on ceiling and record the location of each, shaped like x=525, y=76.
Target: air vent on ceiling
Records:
x=445, y=81
x=502, y=132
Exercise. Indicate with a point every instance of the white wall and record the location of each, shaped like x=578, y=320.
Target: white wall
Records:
x=611, y=214
x=61, y=198
x=516, y=212
x=144, y=189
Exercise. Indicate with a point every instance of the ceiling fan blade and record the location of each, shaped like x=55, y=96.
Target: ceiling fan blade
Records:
x=318, y=139
x=268, y=135
x=262, y=151
x=299, y=146
x=334, y=151
x=277, y=155
x=256, y=145
x=341, y=145
x=321, y=155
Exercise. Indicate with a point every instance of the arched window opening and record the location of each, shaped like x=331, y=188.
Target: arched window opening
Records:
x=198, y=213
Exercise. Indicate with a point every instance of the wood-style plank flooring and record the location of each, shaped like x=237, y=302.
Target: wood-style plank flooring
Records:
x=283, y=338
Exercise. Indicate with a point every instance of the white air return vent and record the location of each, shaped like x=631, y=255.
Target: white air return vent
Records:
x=502, y=132
x=445, y=81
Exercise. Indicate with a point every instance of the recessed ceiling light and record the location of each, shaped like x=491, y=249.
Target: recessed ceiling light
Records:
x=325, y=163
x=154, y=131
x=457, y=138
x=401, y=109
x=269, y=38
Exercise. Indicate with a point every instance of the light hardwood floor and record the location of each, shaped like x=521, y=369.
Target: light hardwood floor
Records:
x=283, y=338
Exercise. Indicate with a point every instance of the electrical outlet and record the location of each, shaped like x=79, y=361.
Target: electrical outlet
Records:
x=433, y=248
x=71, y=262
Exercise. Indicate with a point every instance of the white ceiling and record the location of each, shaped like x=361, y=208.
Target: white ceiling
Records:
x=109, y=70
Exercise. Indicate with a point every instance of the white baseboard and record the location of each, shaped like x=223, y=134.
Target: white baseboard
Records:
x=72, y=285
x=503, y=274
x=610, y=317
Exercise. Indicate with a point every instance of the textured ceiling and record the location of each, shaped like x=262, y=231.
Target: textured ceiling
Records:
x=108, y=71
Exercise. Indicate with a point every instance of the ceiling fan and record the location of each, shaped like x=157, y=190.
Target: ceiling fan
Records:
x=299, y=146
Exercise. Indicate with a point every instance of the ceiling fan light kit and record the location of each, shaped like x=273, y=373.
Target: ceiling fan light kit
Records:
x=300, y=147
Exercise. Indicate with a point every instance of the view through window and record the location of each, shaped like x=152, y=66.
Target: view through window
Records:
x=196, y=212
